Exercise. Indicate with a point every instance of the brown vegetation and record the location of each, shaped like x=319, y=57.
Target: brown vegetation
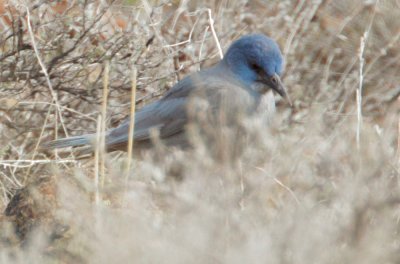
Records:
x=318, y=186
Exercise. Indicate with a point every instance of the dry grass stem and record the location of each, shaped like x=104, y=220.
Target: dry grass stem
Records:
x=104, y=124
x=131, y=124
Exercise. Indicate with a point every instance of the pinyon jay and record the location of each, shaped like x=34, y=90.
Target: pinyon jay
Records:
x=232, y=88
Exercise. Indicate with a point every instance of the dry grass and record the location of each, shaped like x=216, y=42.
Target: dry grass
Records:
x=319, y=185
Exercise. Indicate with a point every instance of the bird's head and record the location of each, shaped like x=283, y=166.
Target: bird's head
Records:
x=256, y=60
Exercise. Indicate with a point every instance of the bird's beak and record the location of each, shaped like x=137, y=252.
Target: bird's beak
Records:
x=278, y=86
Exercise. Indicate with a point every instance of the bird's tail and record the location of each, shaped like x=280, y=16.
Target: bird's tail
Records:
x=70, y=142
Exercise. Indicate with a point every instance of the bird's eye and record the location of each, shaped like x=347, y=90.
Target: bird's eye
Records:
x=256, y=68
x=274, y=80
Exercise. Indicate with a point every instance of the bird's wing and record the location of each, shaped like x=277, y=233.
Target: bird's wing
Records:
x=168, y=116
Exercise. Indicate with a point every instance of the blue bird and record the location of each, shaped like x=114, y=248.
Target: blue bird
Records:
x=252, y=66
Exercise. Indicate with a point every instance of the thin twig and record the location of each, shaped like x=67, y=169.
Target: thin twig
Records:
x=202, y=44
x=50, y=86
x=221, y=54
x=131, y=123
x=360, y=88
x=37, y=143
x=282, y=185
x=398, y=139
x=30, y=163
x=96, y=160
x=87, y=116
x=103, y=123
x=189, y=40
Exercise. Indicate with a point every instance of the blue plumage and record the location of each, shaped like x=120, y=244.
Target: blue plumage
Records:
x=251, y=66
